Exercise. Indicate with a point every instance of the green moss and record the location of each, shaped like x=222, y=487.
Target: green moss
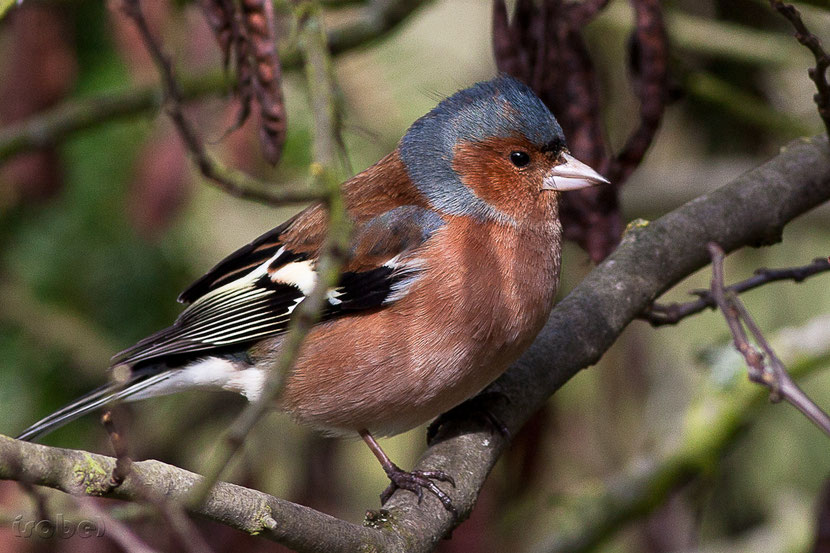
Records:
x=90, y=475
x=264, y=519
x=636, y=223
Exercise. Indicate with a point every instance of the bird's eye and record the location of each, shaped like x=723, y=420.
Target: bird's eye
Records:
x=519, y=158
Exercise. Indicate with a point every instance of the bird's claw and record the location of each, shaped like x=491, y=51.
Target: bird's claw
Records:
x=415, y=482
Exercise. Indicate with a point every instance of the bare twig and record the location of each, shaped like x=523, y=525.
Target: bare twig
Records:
x=659, y=315
x=770, y=372
x=173, y=513
x=232, y=182
x=818, y=74
x=123, y=463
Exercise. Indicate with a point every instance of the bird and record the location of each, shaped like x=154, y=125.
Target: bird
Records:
x=452, y=270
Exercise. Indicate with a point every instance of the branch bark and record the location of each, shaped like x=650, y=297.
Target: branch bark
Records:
x=83, y=473
x=752, y=210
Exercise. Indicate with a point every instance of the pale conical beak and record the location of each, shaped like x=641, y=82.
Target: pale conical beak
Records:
x=572, y=175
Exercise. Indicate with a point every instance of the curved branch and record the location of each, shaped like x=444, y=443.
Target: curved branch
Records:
x=72, y=116
x=750, y=211
x=651, y=258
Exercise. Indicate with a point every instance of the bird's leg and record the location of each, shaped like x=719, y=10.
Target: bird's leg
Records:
x=414, y=481
x=479, y=406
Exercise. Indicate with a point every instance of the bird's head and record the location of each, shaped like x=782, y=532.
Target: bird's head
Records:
x=489, y=150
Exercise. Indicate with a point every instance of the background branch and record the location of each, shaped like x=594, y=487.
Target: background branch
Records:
x=771, y=372
x=377, y=20
x=818, y=74
x=659, y=315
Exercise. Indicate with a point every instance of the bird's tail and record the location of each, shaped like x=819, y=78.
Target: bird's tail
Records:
x=106, y=394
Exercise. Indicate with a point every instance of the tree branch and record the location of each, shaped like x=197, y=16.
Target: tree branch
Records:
x=650, y=259
x=818, y=74
x=771, y=372
x=659, y=315
x=83, y=473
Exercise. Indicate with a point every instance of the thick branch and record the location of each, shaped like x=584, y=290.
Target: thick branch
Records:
x=752, y=210
x=83, y=473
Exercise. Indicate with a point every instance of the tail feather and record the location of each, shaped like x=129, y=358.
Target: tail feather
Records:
x=95, y=399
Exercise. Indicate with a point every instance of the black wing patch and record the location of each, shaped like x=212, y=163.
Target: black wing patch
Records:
x=251, y=294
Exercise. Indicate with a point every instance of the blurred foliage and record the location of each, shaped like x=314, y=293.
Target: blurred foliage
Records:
x=80, y=255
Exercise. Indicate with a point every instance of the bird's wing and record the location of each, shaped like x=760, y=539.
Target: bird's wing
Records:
x=251, y=294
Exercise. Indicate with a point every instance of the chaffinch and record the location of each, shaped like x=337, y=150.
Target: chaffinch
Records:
x=452, y=271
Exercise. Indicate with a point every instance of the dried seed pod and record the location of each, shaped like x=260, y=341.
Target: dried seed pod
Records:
x=220, y=18
x=259, y=21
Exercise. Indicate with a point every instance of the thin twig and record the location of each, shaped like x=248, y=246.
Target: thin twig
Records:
x=818, y=74
x=173, y=513
x=123, y=463
x=659, y=315
x=232, y=182
x=769, y=372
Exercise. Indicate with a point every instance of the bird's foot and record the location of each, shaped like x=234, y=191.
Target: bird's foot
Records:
x=415, y=482
x=476, y=407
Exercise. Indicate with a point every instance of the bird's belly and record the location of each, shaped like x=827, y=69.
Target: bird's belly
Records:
x=469, y=315
x=397, y=368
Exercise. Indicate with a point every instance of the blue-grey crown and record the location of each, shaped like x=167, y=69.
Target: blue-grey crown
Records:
x=501, y=107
